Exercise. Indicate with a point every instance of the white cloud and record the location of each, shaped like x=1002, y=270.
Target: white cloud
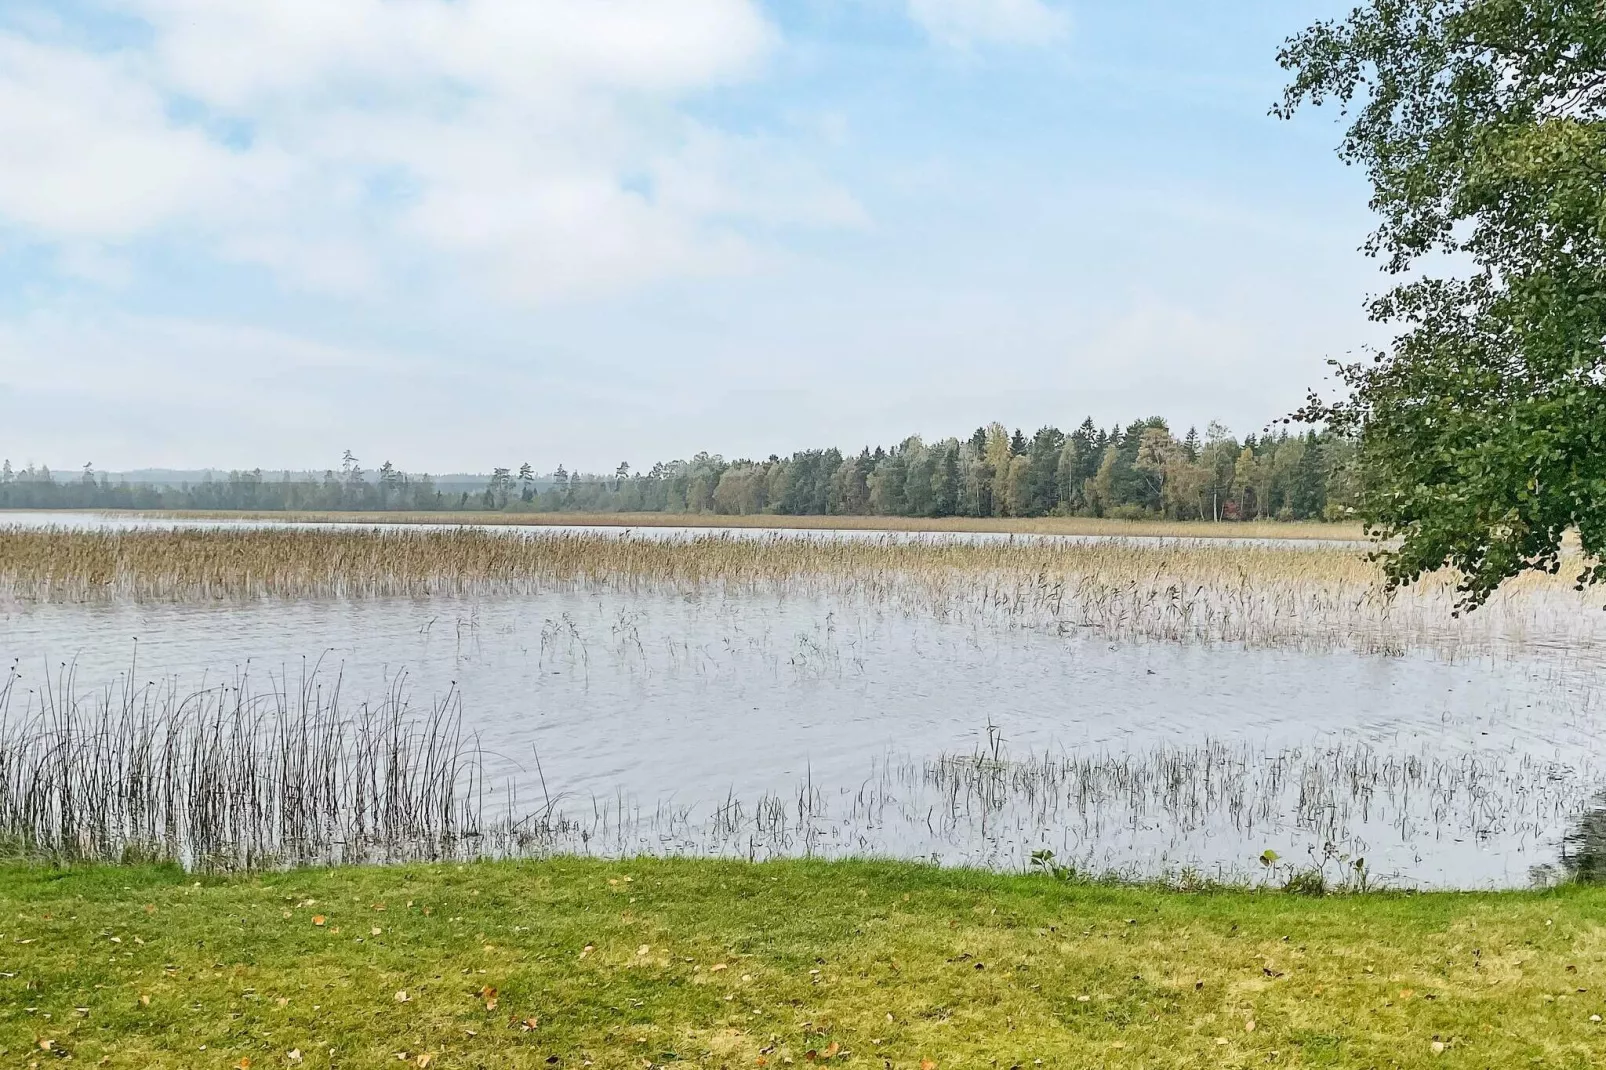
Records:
x=86, y=150
x=501, y=141
x=963, y=23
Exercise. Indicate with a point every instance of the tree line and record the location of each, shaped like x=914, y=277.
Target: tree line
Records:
x=1142, y=470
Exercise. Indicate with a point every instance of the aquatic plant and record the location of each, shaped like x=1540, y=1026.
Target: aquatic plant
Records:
x=236, y=775
x=1311, y=597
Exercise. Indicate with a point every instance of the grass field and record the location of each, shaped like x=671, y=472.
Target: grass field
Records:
x=1030, y=525
x=583, y=963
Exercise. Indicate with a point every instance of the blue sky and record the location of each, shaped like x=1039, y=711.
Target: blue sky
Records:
x=463, y=233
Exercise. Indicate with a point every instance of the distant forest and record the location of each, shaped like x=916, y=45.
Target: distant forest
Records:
x=1140, y=471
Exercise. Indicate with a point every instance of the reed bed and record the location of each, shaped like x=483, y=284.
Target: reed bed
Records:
x=1344, y=798
x=233, y=776
x=1308, y=597
x=1346, y=810
x=239, y=776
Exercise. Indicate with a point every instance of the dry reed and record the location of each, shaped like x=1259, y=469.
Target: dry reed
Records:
x=1322, y=597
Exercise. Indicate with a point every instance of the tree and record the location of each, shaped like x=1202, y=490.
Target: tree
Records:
x=1157, y=456
x=497, y=492
x=945, y=480
x=1219, y=458
x=1480, y=434
x=998, y=455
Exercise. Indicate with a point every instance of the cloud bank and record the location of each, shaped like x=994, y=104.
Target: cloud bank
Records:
x=538, y=149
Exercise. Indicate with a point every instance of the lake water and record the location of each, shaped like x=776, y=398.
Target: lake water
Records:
x=114, y=521
x=755, y=726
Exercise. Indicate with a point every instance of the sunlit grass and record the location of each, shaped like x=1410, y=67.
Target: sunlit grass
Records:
x=574, y=963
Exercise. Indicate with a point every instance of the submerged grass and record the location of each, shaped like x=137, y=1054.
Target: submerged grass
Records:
x=1318, y=596
x=658, y=963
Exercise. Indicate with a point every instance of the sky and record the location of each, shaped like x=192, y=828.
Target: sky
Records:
x=456, y=234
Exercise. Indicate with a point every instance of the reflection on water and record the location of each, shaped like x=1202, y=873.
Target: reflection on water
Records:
x=750, y=726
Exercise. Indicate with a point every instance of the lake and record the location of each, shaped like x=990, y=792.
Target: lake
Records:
x=745, y=724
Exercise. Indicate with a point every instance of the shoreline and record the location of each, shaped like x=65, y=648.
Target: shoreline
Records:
x=1183, y=529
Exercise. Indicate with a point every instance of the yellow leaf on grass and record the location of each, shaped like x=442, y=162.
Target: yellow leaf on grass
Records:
x=318, y=919
x=294, y=1055
x=243, y=1064
x=375, y=931
x=423, y=1060
x=488, y=994
x=401, y=997
x=927, y=1064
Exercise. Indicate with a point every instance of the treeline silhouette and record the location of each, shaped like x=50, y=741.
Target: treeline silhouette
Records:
x=1138, y=471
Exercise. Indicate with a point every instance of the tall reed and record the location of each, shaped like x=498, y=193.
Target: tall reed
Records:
x=1183, y=592
x=235, y=775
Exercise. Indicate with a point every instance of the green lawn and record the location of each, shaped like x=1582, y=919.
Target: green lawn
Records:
x=576, y=963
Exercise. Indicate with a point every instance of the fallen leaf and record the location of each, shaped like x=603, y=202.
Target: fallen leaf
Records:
x=294, y=1055
x=1249, y=1026
x=318, y=919
x=243, y=1064
x=927, y=1064
x=283, y=1001
x=716, y=967
x=529, y=1024
x=1438, y=1047
x=144, y=1001
x=375, y=931
x=401, y=997
x=423, y=1060
x=643, y=949
x=832, y=1049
